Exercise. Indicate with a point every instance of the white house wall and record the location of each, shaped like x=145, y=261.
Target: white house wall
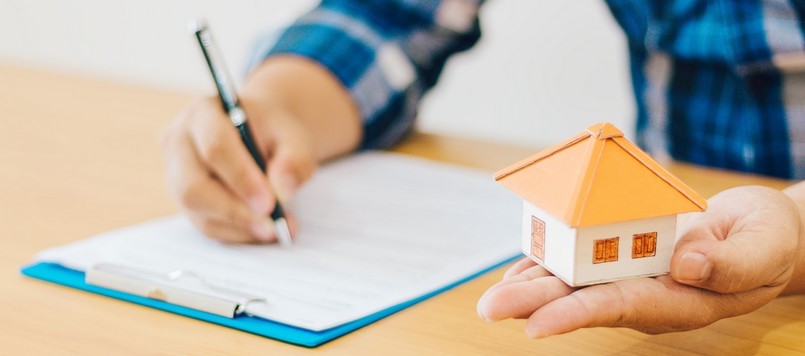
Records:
x=560, y=241
x=625, y=266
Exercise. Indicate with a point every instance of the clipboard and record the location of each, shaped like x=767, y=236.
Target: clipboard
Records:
x=488, y=218
x=223, y=307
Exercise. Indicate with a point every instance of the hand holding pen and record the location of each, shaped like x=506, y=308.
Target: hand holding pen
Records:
x=298, y=115
x=231, y=104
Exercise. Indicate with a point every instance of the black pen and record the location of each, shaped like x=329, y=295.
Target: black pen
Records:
x=226, y=91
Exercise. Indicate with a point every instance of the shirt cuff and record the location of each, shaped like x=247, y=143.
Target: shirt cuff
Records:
x=377, y=74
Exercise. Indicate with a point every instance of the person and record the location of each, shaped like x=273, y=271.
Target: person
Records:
x=710, y=86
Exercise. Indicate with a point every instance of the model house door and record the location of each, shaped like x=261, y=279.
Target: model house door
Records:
x=537, y=238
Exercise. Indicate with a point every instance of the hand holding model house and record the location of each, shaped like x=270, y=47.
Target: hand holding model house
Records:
x=598, y=209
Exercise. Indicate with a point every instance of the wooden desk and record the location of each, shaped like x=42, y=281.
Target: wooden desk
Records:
x=79, y=156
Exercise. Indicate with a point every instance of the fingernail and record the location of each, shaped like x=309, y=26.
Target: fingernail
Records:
x=264, y=230
x=693, y=266
x=481, y=313
x=536, y=333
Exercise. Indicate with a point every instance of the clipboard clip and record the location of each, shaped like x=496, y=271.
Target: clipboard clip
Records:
x=180, y=287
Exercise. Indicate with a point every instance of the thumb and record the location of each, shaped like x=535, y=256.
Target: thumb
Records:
x=744, y=240
x=738, y=263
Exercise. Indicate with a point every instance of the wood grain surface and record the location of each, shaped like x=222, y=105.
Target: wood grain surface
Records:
x=79, y=156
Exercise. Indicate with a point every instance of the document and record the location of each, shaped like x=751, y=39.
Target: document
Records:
x=375, y=230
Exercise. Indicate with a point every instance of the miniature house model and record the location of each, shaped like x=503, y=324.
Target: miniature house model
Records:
x=596, y=208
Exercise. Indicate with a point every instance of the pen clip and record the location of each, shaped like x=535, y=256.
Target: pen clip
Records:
x=215, y=61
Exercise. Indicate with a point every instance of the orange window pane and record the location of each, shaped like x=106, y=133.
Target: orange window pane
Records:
x=598, y=251
x=612, y=249
x=637, y=246
x=650, y=245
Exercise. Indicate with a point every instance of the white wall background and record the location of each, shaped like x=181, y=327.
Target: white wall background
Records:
x=544, y=69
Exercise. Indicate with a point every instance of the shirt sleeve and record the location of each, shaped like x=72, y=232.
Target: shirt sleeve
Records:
x=387, y=53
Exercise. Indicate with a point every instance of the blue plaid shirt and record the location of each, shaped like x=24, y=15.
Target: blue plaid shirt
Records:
x=719, y=83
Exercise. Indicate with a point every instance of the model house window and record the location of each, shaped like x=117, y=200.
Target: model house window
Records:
x=537, y=238
x=605, y=250
x=644, y=245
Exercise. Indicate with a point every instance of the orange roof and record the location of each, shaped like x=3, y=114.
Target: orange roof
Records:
x=599, y=177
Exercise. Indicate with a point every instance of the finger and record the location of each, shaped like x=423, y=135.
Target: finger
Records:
x=651, y=305
x=206, y=199
x=520, y=295
x=223, y=231
x=643, y=304
x=220, y=147
x=728, y=249
x=255, y=229
x=520, y=266
x=525, y=275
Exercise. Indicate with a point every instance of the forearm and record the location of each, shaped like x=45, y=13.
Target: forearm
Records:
x=797, y=285
x=312, y=95
x=384, y=54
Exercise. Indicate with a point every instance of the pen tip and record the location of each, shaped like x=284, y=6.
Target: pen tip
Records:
x=283, y=232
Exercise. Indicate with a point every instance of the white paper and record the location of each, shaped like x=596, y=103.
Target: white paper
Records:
x=376, y=230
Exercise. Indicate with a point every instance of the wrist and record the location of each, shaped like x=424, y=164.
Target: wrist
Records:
x=313, y=96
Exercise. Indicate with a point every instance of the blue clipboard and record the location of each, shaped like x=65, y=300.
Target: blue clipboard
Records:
x=58, y=274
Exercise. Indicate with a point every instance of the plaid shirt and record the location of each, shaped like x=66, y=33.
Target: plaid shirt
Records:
x=718, y=83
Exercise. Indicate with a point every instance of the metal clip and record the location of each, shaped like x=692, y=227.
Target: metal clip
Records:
x=180, y=287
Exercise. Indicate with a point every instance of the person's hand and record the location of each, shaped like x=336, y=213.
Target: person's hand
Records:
x=729, y=260
x=299, y=115
x=214, y=178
